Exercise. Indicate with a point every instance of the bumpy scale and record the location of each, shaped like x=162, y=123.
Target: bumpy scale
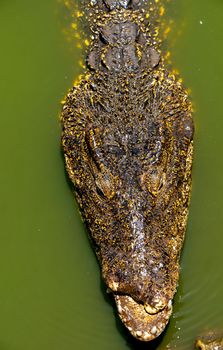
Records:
x=127, y=140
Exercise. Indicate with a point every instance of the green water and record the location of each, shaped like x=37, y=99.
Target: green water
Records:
x=51, y=297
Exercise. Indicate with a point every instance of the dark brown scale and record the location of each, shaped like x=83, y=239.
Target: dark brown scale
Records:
x=127, y=140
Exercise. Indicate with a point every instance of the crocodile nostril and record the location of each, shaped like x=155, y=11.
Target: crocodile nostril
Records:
x=151, y=310
x=156, y=306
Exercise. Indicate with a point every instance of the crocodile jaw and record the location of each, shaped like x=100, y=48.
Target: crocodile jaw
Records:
x=141, y=324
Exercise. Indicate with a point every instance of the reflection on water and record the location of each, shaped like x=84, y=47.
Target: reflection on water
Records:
x=50, y=295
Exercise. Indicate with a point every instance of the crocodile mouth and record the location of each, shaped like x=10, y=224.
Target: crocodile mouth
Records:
x=141, y=321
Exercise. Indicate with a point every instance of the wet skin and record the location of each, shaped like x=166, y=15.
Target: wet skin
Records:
x=128, y=146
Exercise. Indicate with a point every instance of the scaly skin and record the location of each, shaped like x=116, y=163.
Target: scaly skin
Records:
x=127, y=141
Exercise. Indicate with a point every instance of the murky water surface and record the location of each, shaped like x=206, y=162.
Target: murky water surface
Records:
x=51, y=295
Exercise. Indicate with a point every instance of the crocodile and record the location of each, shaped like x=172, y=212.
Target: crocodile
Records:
x=128, y=146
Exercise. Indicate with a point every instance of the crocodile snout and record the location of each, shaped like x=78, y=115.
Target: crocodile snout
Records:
x=141, y=324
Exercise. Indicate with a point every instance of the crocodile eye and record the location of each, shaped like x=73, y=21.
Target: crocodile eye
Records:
x=105, y=184
x=99, y=192
x=153, y=181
